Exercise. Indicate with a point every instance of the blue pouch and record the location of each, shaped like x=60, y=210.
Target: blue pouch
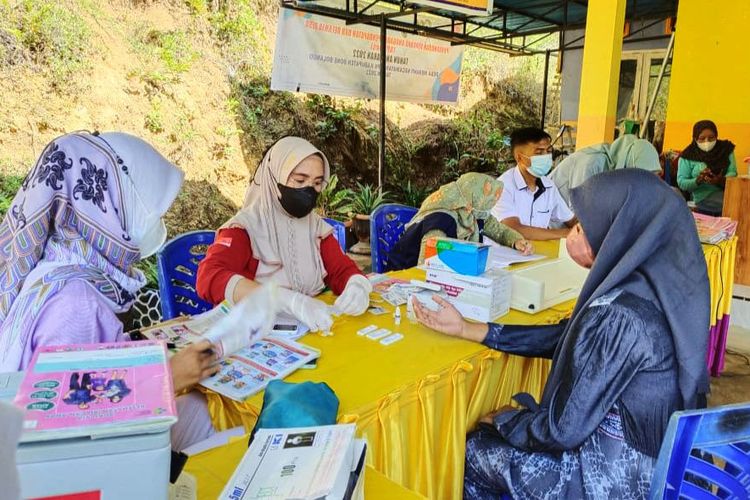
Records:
x=307, y=404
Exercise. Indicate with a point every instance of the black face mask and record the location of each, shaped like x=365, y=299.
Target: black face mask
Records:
x=298, y=202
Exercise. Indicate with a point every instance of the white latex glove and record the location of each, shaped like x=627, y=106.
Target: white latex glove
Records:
x=355, y=299
x=312, y=312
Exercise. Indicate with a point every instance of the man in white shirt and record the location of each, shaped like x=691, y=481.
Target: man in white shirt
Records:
x=530, y=202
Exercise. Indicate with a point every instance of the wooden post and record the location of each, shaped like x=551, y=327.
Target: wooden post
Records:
x=736, y=201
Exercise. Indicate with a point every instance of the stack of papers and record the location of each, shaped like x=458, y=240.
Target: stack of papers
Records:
x=501, y=257
x=323, y=462
x=714, y=229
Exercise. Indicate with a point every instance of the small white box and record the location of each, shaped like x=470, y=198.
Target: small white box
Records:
x=482, y=298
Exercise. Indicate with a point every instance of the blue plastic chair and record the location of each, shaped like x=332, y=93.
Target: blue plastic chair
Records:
x=339, y=232
x=177, y=264
x=705, y=455
x=386, y=226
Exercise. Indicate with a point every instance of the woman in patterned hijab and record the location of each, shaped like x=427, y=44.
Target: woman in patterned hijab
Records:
x=86, y=213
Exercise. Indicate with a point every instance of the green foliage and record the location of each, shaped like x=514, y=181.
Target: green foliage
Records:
x=149, y=268
x=174, y=49
x=334, y=202
x=366, y=198
x=9, y=186
x=165, y=55
x=332, y=118
x=262, y=115
x=413, y=195
x=51, y=34
x=242, y=36
x=154, y=120
x=197, y=7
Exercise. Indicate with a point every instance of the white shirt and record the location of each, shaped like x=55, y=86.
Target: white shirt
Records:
x=518, y=200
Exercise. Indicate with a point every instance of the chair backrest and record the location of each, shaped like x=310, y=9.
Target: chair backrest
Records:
x=386, y=226
x=178, y=267
x=339, y=232
x=705, y=454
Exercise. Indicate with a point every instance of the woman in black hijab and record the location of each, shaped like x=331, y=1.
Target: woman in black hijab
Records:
x=704, y=166
x=633, y=352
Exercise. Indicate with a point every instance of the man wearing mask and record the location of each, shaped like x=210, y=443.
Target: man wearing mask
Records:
x=530, y=202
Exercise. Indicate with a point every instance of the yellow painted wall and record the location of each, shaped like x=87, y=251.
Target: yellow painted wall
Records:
x=711, y=73
x=600, y=73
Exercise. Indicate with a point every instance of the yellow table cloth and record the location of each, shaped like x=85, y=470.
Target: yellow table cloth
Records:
x=212, y=470
x=414, y=400
x=720, y=260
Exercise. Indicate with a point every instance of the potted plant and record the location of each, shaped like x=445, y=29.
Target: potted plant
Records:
x=364, y=200
x=334, y=203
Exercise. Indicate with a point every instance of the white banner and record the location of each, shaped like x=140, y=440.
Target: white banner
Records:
x=479, y=8
x=325, y=56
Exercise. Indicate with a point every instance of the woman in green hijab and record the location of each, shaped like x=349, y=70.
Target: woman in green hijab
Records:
x=461, y=210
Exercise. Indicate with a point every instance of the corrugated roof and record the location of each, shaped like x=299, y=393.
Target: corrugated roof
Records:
x=510, y=20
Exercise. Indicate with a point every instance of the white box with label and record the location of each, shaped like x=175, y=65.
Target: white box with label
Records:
x=482, y=298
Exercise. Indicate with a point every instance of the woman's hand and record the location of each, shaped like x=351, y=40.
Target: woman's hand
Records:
x=192, y=364
x=524, y=246
x=704, y=177
x=355, y=299
x=448, y=320
x=490, y=418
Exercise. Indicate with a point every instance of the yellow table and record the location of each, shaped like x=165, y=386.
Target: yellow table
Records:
x=414, y=400
x=213, y=468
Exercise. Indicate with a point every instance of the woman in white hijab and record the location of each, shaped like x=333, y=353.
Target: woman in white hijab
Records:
x=277, y=236
x=87, y=212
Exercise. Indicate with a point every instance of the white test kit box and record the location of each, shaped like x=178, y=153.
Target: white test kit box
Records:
x=547, y=284
x=117, y=468
x=481, y=298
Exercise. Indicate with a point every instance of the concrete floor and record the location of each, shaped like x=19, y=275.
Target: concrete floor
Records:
x=733, y=386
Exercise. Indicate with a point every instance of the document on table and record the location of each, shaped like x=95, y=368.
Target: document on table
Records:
x=303, y=463
x=501, y=256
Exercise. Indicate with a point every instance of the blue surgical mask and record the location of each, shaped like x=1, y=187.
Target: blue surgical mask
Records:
x=540, y=165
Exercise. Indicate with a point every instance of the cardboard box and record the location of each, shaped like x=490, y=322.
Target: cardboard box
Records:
x=481, y=298
x=458, y=256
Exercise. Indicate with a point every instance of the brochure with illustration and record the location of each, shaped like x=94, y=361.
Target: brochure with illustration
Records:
x=228, y=328
x=250, y=369
x=96, y=390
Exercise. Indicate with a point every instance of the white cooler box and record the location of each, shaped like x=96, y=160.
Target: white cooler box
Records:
x=119, y=468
